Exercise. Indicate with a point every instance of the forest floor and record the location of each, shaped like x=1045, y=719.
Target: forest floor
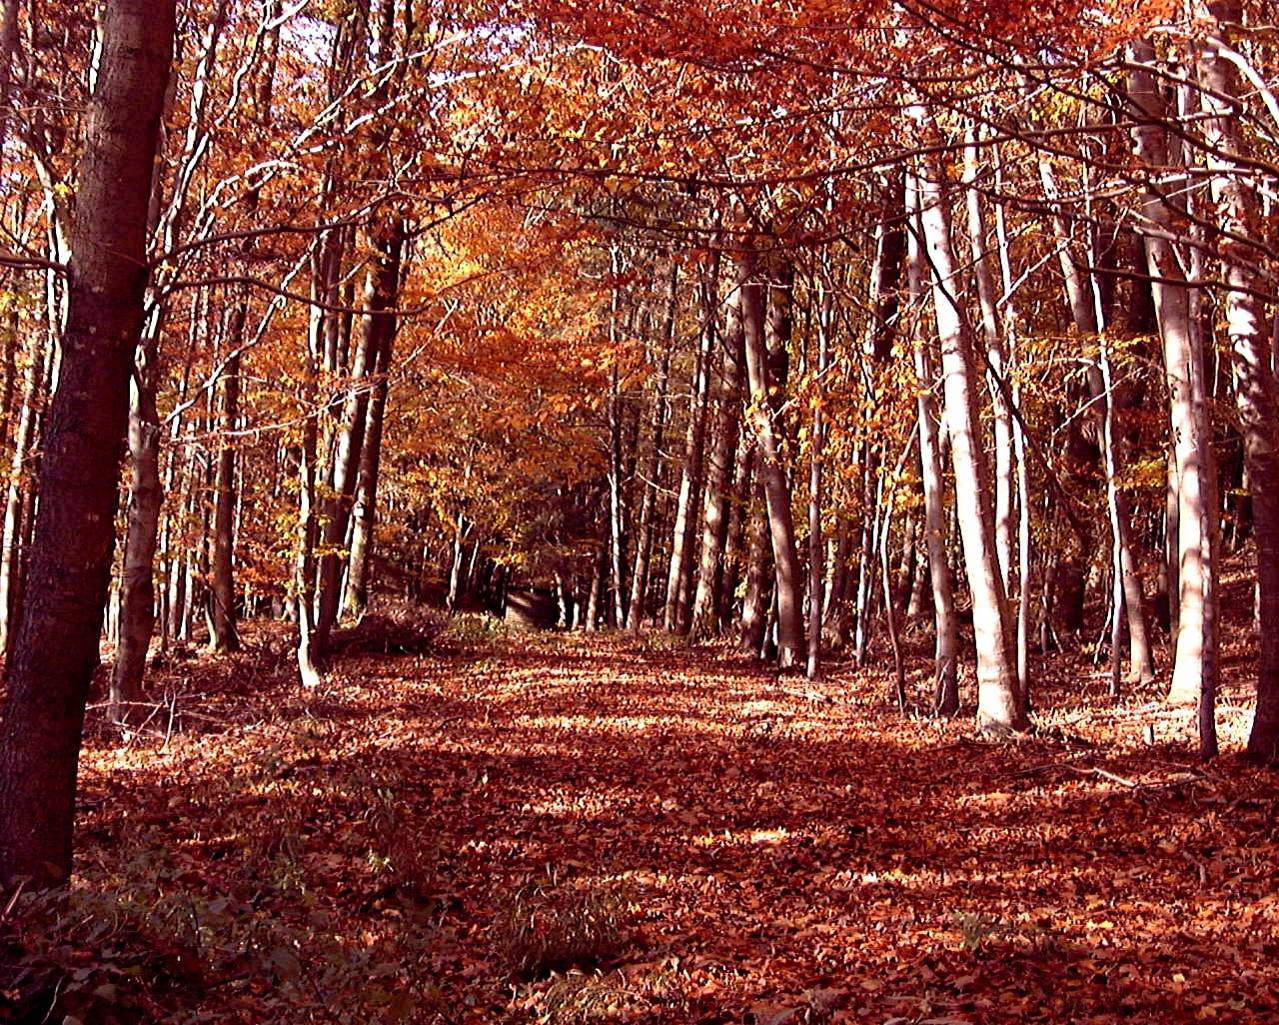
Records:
x=573, y=829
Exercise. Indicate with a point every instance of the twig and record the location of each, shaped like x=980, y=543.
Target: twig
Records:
x=1187, y=776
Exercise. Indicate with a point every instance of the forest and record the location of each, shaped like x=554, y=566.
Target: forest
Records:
x=629, y=511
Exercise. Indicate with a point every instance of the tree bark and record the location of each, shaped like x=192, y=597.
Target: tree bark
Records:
x=993, y=339
x=223, y=635
x=57, y=646
x=999, y=704
x=719, y=470
x=790, y=621
x=1183, y=364
x=755, y=601
x=11, y=547
x=137, y=584
x=653, y=464
x=365, y=511
x=381, y=289
x=1256, y=389
x=680, y=571
x=816, y=497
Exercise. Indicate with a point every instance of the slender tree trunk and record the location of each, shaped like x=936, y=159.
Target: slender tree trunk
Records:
x=304, y=561
x=999, y=704
x=391, y=272
x=1256, y=390
x=599, y=580
x=223, y=635
x=653, y=464
x=365, y=510
x=835, y=623
x=790, y=621
x=864, y=601
x=1087, y=311
x=137, y=590
x=1183, y=363
x=11, y=548
x=57, y=646
x=886, y=580
x=735, y=553
x=755, y=602
x=993, y=339
x=380, y=293
x=679, y=580
x=719, y=468
x=817, y=434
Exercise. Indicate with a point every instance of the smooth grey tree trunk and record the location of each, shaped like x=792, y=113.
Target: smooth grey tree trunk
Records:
x=680, y=572
x=223, y=634
x=136, y=621
x=992, y=336
x=720, y=458
x=787, y=576
x=1183, y=364
x=1256, y=389
x=999, y=701
x=653, y=464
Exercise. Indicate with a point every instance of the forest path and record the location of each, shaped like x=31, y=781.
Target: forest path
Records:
x=749, y=845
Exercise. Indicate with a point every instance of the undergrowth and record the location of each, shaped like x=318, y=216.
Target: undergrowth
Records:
x=551, y=926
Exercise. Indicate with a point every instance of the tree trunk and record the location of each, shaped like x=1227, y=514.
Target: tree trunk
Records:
x=1087, y=312
x=790, y=621
x=57, y=644
x=817, y=434
x=11, y=549
x=653, y=465
x=864, y=600
x=755, y=602
x=391, y=271
x=223, y=636
x=1183, y=364
x=680, y=571
x=380, y=293
x=137, y=586
x=1256, y=391
x=835, y=621
x=304, y=560
x=999, y=704
x=719, y=469
x=992, y=336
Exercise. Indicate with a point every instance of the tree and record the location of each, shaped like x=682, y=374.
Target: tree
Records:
x=56, y=648
x=1000, y=706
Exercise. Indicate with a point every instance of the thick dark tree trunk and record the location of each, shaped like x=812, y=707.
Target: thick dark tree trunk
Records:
x=57, y=644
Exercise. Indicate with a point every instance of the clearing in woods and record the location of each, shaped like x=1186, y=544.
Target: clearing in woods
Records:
x=573, y=829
